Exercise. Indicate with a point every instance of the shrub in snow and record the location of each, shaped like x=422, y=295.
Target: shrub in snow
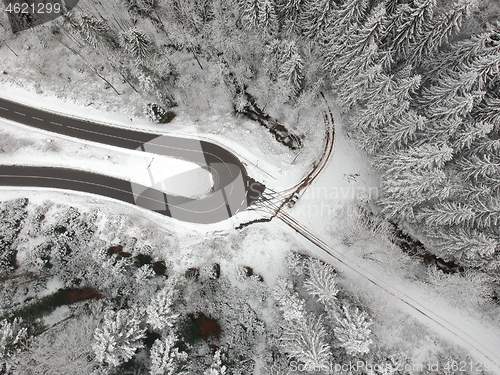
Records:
x=165, y=359
x=217, y=368
x=155, y=113
x=12, y=337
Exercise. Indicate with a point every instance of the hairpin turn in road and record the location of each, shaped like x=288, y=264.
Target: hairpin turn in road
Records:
x=233, y=190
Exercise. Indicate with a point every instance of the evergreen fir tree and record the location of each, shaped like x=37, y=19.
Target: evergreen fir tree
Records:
x=136, y=43
x=461, y=54
x=427, y=157
x=480, y=167
x=322, y=282
x=470, y=132
x=403, y=129
x=307, y=343
x=118, y=338
x=166, y=359
x=439, y=31
x=159, y=312
x=469, y=246
x=95, y=32
x=411, y=188
x=289, y=11
x=290, y=303
x=368, y=33
x=487, y=213
x=347, y=21
x=292, y=68
x=488, y=111
x=249, y=13
x=266, y=17
x=353, y=330
x=316, y=18
x=446, y=214
x=485, y=146
x=405, y=27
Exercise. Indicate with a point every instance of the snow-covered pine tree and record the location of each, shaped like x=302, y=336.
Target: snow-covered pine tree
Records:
x=466, y=83
x=471, y=247
x=368, y=33
x=469, y=132
x=316, y=18
x=292, y=67
x=487, y=213
x=461, y=54
x=160, y=315
x=137, y=43
x=307, y=342
x=351, y=13
x=118, y=338
x=166, y=359
x=95, y=32
x=356, y=66
x=352, y=330
x=322, y=282
x=480, y=168
x=427, y=157
x=412, y=176
x=489, y=111
x=289, y=302
x=391, y=6
x=347, y=20
x=266, y=17
x=396, y=88
x=249, y=13
x=288, y=11
x=352, y=87
x=403, y=129
x=485, y=146
x=406, y=25
x=440, y=30
x=404, y=190
x=446, y=214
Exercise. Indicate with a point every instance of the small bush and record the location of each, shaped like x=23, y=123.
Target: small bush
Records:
x=157, y=114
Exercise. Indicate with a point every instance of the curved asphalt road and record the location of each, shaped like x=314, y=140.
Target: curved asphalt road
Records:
x=233, y=189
